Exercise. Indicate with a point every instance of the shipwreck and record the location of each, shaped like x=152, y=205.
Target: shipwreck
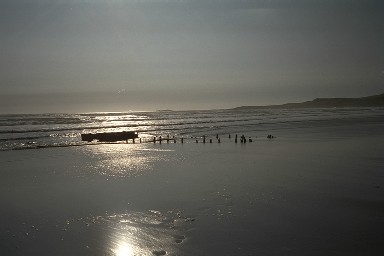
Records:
x=110, y=136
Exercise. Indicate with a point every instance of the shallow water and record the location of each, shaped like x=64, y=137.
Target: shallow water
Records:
x=52, y=130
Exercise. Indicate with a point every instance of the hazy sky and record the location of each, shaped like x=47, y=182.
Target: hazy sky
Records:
x=118, y=55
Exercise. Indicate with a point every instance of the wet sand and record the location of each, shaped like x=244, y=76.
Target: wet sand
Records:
x=288, y=196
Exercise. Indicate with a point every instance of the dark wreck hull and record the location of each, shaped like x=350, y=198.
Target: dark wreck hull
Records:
x=109, y=136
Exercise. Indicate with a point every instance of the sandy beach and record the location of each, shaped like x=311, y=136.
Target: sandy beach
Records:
x=294, y=195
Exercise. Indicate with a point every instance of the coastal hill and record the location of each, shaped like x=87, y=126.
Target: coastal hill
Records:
x=370, y=101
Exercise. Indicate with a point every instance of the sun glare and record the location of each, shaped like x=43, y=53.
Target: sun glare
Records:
x=124, y=249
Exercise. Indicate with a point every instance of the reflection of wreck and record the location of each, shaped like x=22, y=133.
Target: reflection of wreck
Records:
x=110, y=136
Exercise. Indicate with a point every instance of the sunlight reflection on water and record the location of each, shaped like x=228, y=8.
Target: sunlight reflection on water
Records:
x=132, y=232
x=124, y=249
x=123, y=160
x=140, y=233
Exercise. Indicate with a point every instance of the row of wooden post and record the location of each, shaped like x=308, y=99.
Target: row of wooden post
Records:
x=243, y=139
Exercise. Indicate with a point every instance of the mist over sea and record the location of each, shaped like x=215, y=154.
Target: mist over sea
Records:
x=51, y=130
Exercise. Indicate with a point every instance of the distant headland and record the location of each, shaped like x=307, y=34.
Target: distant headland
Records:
x=369, y=101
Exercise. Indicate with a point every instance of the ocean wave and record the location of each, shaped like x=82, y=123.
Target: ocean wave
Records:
x=38, y=131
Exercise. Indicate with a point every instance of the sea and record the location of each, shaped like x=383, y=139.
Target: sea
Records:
x=34, y=131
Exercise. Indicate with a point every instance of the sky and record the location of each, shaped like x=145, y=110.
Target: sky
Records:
x=121, y=55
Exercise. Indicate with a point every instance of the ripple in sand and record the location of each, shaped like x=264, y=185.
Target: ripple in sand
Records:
x=159, y=253
x=179, y=238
